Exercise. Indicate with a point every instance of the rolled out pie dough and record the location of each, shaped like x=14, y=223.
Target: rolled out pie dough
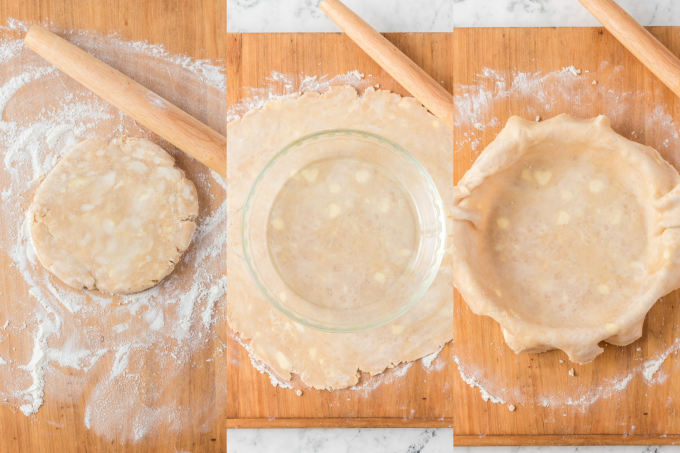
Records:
x=566, y=234
x=113, y=216
x=332, y=360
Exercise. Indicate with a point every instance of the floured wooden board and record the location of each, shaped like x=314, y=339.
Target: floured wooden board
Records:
x=413, y=395
x=627, y=395
x=87, y=371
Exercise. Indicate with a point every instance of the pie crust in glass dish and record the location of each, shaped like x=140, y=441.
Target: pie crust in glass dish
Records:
x=566, y=234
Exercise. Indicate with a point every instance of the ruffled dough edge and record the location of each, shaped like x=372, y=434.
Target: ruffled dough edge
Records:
x=580, y=344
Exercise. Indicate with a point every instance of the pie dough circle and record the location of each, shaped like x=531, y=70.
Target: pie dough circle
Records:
x=113, y=216
x=326, y=360
x=566, y=234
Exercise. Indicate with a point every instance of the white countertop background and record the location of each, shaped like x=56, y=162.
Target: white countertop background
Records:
x=608, y=449
x=415, y=16
x=304, y=16
x=554, y=13
x=427, y=16
x=407, y=440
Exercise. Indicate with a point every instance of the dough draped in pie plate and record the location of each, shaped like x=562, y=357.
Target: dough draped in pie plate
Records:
x=566, y=234
x=113, y=216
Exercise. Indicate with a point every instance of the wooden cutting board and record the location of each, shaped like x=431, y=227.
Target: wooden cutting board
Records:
x=538, y=384
x=419, y=398
x=195, y=29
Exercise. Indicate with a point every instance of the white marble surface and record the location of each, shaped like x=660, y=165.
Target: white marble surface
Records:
x=608, y=449
x=410, y=440
x=304, y=16
x=270, y=16
x=555, y=13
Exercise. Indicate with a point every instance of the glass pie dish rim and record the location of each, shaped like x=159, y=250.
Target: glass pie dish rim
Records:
x=434, y=196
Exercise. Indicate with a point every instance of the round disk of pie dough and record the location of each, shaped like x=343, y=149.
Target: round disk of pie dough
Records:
x=327, y=360
x=113, y=216
x=566, y=234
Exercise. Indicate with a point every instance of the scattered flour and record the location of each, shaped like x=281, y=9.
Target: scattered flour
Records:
x=36, y=367
x=390, y=375
x=606, y=390
x=428, y=359
x=121, y=360
x=147, y=342
x=215, y=294
x=68, y=357
x=651, y=367
x=549, y=94
x=473, y=382
x=257, y=97
x=572, y=70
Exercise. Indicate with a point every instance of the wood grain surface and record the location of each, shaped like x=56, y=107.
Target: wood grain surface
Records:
x=417, y=399
x=197, y=29
x=642, y=412
x=654, y=55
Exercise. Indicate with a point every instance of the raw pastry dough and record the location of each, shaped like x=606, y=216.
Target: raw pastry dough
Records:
x=326, y=360
x=566, y=234
x=113, y=216
x=320, y=239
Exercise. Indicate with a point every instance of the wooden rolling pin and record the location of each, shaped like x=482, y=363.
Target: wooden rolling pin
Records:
x=416, y=81
x=145, y=106
x=638, y=41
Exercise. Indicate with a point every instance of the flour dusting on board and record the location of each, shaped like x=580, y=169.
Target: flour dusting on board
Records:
x=366, y=385
x=281, y=85
x=652, y=366
x=428, y=360
x=542, y=96
x=127, y=358
x=473, y=382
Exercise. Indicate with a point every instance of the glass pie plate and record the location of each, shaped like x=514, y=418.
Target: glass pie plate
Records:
x=342, y=231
